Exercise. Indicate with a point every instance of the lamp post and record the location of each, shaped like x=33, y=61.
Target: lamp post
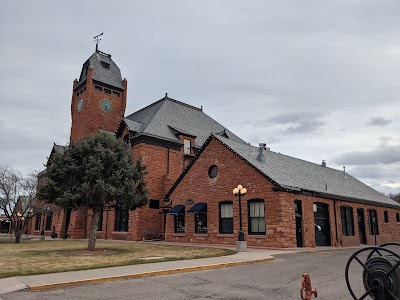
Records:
x=240, y=191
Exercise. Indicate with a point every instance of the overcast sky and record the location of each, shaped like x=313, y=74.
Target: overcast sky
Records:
x=312, y=79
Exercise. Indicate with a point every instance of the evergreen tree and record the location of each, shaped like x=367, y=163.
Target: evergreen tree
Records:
x=95, y=173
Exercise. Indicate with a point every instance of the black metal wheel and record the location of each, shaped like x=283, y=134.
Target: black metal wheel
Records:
x=381, y=273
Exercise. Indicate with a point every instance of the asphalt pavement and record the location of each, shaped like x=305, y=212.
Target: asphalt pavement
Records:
x=279, y=278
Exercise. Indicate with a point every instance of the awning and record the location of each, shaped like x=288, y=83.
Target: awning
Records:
x=198, y=208
x=177, y=210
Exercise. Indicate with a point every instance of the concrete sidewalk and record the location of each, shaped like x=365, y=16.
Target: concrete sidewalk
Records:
x=45, y=281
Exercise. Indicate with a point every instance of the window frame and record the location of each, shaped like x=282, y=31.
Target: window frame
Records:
x=187, y=146
x=100, y=221
x=38, y=221
x=121, y=219
x=200, y=217
x=49, y=221
x=372, y=213
x=259, y=218
x=347, y=220
x=386, y=216
x=225, y=222
x=179, y=223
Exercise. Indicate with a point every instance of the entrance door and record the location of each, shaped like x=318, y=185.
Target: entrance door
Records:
x=361, y=226
x=321, y=224
x=299, y=228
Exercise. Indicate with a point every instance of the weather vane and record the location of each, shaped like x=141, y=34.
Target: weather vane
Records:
x=97, y=39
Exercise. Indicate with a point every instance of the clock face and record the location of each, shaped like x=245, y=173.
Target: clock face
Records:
x=80, y=105
x=106, y=104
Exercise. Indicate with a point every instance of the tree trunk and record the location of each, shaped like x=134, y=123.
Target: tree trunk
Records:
x=93, y=230
x=17, y=232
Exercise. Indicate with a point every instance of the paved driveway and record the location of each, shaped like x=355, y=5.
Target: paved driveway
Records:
x=277, y=279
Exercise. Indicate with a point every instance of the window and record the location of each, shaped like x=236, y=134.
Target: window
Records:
x=154, y=204
x=107, y=91
x=179, y=223
x=100, y=222
x=373, y=222
x=201, y=222
x=49, y=220
x=226, y=217
x=116, y=94
x=398, y=217
x=179, y=218
x=256, y=216
x=186, y=147
x=213, y=171
x=200, y=217
x=121, y=218
x=346, y=216
x=98, y=88
x=105, y=65
x=127, y=139
x=38, y=221
x=386, y=216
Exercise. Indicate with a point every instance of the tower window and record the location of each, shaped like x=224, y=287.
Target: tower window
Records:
x=107, y=91
x=105, y=65
x=98, y=88
x=116, y=94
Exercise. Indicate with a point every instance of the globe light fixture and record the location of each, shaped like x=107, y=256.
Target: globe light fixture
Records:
x=240, y=191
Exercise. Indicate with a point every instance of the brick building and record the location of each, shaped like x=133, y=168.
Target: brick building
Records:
x=182, y=147
x=289, y=202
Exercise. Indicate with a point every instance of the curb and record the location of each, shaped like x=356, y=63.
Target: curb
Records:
x=144, y=274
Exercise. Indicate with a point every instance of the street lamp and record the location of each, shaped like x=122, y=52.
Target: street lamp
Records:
x=240, y=191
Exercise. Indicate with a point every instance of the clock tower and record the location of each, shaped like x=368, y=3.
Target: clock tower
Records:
x=98, y=98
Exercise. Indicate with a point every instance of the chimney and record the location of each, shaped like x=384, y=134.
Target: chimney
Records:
x=344, y=171
x=261, y=152
x=323, y=164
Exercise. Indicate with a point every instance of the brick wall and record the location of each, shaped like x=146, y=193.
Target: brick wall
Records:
x=279, y=206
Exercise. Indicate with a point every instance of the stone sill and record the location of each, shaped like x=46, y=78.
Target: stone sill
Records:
x=257, y=236
x=225, y=235
x=179, y=234
x=200, y=234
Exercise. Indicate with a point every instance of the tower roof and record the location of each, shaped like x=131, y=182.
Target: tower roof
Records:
x=104, y=70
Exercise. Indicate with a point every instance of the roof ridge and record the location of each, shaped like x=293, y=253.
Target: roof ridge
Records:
x=182, y=103
x=146, y=107
x=278, y=153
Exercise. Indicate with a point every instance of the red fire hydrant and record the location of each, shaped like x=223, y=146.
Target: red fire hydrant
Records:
x=306, y=287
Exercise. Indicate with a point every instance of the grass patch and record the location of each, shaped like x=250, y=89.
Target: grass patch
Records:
x=41, y=257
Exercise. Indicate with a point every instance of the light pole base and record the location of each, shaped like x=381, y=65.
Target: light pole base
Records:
x=241, y=246
x=41, y=237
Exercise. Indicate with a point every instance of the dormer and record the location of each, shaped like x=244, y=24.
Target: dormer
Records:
x=188, y=140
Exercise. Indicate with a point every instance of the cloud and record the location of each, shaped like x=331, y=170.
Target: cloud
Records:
x=305, y=126
x=382, y=154
x=379, y=121
x=298, y=122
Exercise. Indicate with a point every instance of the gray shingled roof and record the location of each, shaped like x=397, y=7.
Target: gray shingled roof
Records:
x=111, y=76
x=164, y=118
x=298, y=174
